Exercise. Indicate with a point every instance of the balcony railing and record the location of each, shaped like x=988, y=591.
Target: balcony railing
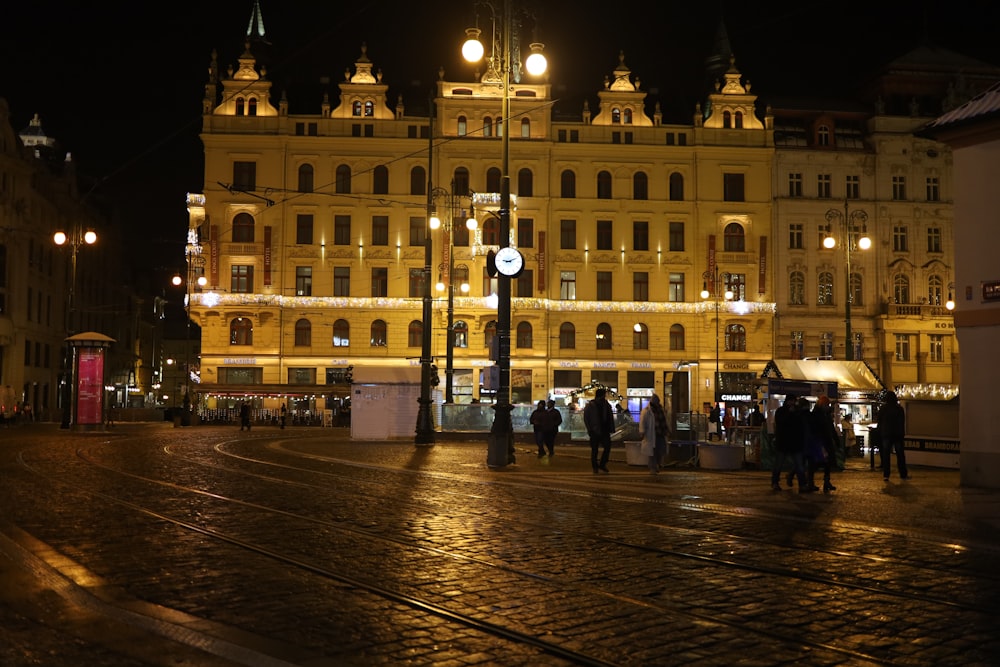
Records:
x=918, y=310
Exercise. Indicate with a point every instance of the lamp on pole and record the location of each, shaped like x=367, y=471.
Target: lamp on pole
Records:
x=447, y=281
x=76, y=238
x=501, y=442
x=191, y=253
x=848, y=231
x=718, y=296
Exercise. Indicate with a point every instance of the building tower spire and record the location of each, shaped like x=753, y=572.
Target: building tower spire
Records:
x=255, y=29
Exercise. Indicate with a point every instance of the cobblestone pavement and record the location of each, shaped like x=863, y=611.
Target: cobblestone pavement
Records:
x=207, y=546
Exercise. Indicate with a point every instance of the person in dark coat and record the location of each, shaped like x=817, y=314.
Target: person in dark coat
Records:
x=550, y=430
x=892, y=429
x=789, y=443
x=823, y=441
x=537, y=420
x=244, y=416
x=600, y=422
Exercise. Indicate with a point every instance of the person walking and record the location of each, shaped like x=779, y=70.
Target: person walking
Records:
x=715, y=422
x=244, y=416
x=537, y=420
x=789, y=443
x=822, y=442
x=284, y=415
x=892, y=429
x=653, y=430
x=600, y=423
x=550, y=427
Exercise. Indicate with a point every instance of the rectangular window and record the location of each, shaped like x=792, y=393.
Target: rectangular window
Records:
x=640, y=286
x=937, y=348
x=380, y=281
x=525, y=284
x=301, y=376
x=671, y=139
x=241, y=279
x=303, y=281
x=28, y=309
x=676, y=289
x=604, y=286
x=795, y=185
x=899, y=238
x=490, y=285
x=342, y=230
x=574, y=136
x=562, y=136
x=342, y=281
x=27, y=352
x=676, y=237
x=682, y=139
x=823, y=186
x=933, y=189
x=640, y=235
x=798, y=345
x=303, y=229
x=604, y=235
x=934, y=239
x=525, y=232
x=313, y=129
x=852, y=187
x=567, y=285
x=416, y=283
x=244, y=176
x=616, y=137
x=795, y=234
x=418, y=229
x=732, y=187
x=902, y=347
x=826, y=345
x=380, y=230
x=899, y=188
x=567, y=234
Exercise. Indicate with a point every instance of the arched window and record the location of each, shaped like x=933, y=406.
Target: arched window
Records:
x=240, y=106
x=824, y=285
x=415, y=333
x=252, y=106
x=243, y=225
x=603, y=336
x=524, y=335
x=736, y=338
x=796, y=288
x=341, y=334
x=640, y=185
x=369, y=109
x=462, y=126
x=461, y=334
x=525, y=128
x=856, y=290
x=356, y=108
x=525, y=183
x=567, y=336
x=727, y=119
x=380, y=180
x=738, y=120
x=935, y=287
x=567, y=184
x=676, y=187
x=303, y=333
x=418, y=181
x=461, y=182
x=489, y=333
x=604, y=185
x=241, y=331
x=487, y=127
x=493, y=179
x=901, y=288
x=733, y=239
x=677, y=337
x=343, y=179
x=616, y=115
x=379, y=335
x=640, y=336
x=491, y=231
x=305, y=178
x=627, y=115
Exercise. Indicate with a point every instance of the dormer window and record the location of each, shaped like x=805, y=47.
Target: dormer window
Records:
x=356, y=108
x=240, y=106
x=369, y=109
x=727, y=119
x=738, y=119
x=628, y=116
x=823, y=135
x=616, y=115
x=252, y=107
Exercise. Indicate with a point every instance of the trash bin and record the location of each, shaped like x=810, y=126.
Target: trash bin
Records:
x=633, y=453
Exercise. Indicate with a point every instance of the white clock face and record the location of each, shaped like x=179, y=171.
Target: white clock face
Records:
x=509, y=262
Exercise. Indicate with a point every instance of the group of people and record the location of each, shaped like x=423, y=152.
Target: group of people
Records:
x=546, y=420
x=654, y=431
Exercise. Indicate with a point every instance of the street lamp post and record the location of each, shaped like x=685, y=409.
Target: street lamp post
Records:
x=714, y=276
x=75, y=239
x=848, y=223
x=501, y=441
x=193, y=249
x=425, y=423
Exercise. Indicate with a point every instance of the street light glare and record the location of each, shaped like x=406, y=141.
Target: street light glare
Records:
x=829, y=242
x=435, y=222
x=90, y=237
x=176, y=281
x=472, y=49
x=864, y=243
x=536, y=64
x=59, y=238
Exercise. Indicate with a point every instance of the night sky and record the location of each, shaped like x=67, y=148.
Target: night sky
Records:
x=120, y=84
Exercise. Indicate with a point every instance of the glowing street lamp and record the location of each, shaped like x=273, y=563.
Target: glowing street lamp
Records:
x=848, y=229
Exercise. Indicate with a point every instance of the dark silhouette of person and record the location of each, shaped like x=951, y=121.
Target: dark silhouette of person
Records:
x=789, y=443
x=550, y=428
x=892, y=429
x=600, y=422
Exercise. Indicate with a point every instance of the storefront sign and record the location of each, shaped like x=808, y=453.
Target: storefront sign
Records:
x=991, y=291
x=239, y=361
x=641, y=364
x=605, y=364
x=569, y=364
x=640, y=393
x=735, y=398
